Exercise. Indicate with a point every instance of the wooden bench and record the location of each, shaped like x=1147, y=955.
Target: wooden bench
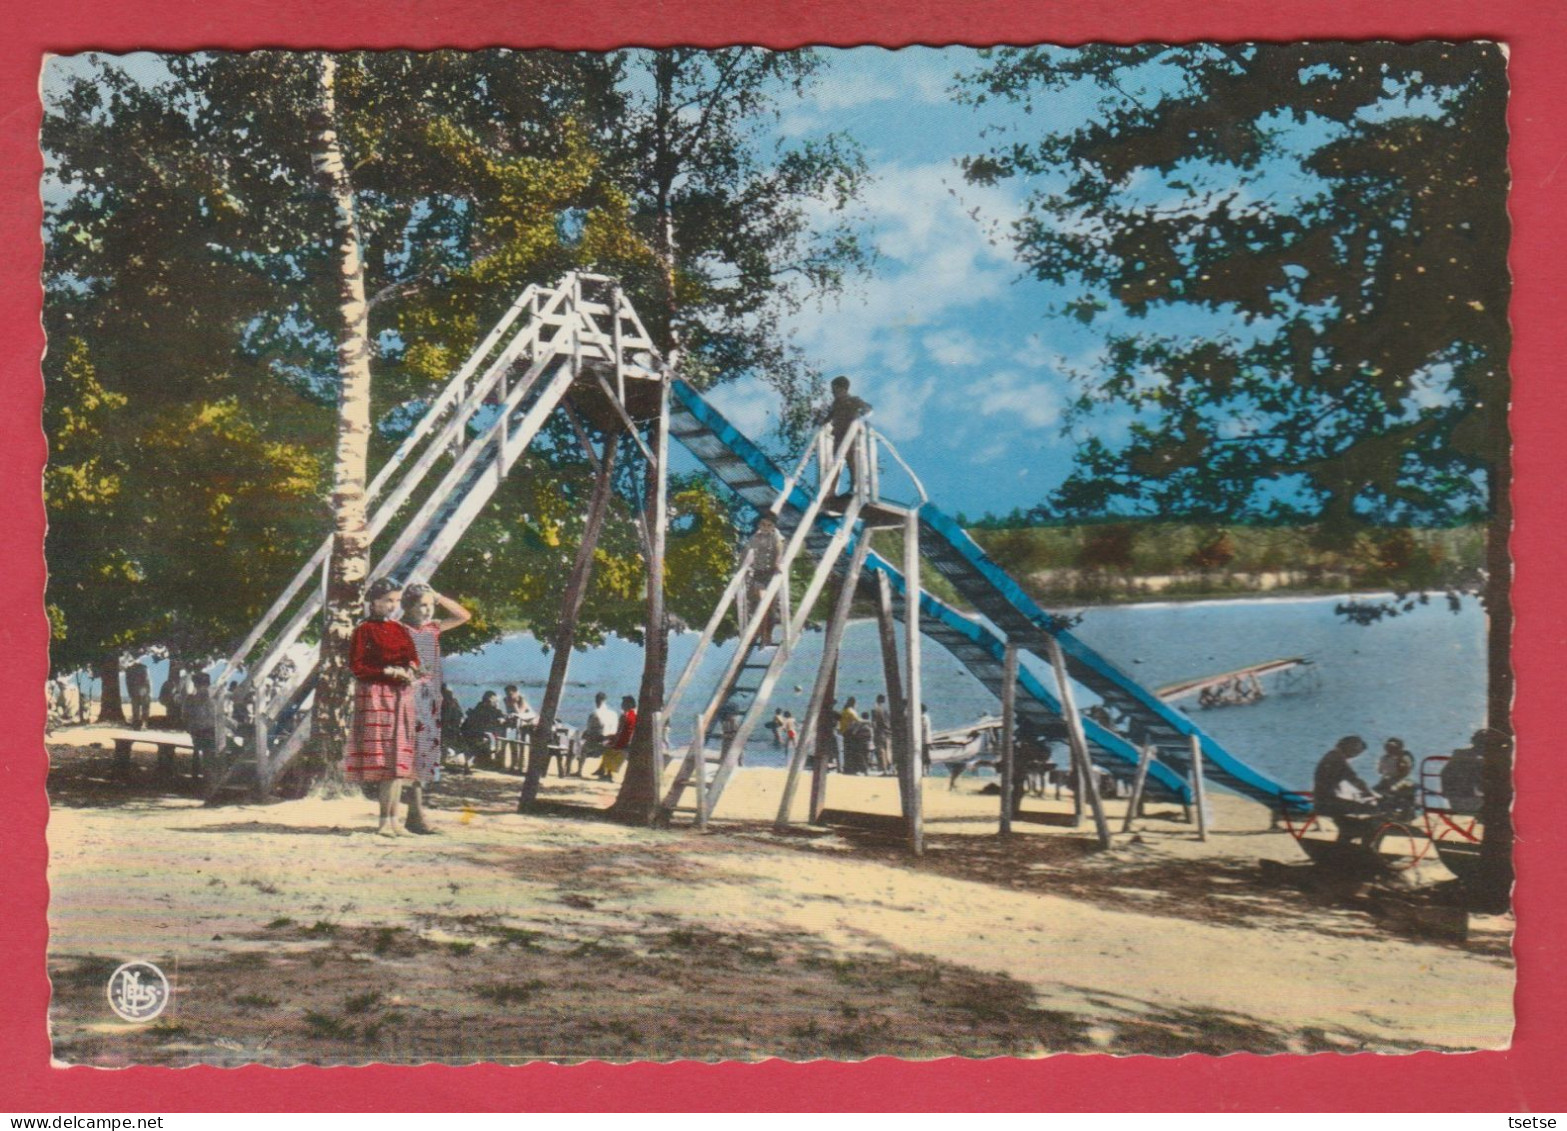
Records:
x=510, y=753
x=168, y=751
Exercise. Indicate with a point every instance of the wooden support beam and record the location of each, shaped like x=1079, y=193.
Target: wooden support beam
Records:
x=625, y=417
x=823, y=740
x=1008, y=737
x=1087, y=787
x=699, y=773
x=566, y=627
x=1135, y=804
x=1199, y=789
x=832, y=645
x=903, y=751
x=822, y=691
x=582, y=434
x=911, y=641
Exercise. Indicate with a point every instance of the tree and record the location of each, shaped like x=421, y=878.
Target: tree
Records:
x=1298, y=253
x=730, y=220
x=191, y=252
x=348, y=564
x=152, y=540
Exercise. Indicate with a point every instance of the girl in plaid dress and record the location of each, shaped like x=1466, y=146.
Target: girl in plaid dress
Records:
x=381, y=741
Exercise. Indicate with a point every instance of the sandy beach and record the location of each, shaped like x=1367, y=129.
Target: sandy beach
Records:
x=293, y=934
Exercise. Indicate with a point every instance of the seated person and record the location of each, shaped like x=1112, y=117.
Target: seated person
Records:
x=1340, y=793
x=1463, y=774
x=484, y=718
x=1394, y=785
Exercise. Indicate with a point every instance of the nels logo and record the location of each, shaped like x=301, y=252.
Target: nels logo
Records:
x=138, y=991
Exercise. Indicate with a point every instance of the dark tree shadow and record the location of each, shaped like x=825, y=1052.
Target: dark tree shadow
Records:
x=489, y=989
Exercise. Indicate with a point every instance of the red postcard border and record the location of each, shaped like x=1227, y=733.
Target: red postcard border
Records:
x=1528, y=1077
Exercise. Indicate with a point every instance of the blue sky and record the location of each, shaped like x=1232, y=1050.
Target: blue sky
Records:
x=965, y=358
x=955, y=349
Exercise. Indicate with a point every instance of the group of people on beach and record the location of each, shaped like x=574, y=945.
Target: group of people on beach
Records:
x=1340, y=793
x=860, y=742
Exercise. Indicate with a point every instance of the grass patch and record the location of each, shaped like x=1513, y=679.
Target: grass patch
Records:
x=509, y=993
x=325, y=1025
x=321, y=928
x=518, y=936
x=279, y=923
x=462, y=949
x=89, y=971
x=256, y=1001
x=362, y=1003
x=385, y=939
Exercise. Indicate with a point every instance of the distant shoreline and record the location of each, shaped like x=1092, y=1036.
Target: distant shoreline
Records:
x=1288, y=597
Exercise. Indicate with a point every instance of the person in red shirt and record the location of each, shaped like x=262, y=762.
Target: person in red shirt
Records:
x=615, y=756
x=385, y=663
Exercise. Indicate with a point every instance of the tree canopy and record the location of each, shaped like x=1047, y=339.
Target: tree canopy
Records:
x=1297, y=255
x=191, y=375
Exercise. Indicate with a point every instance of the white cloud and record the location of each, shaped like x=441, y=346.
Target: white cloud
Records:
x=842, y=89
x=1017, y=398
x=935, y=262
x=899, y=405
x=747, y=404
x=955, y=348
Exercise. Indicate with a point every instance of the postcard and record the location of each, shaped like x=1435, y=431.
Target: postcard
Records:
x=728, y=554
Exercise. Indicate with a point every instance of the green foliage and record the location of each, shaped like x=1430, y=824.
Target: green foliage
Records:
x=1108, y=547
x=1298, y=251
x=191, y=303
x=1128, y=560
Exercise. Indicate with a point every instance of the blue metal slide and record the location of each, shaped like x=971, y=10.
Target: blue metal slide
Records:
x=1145, y=719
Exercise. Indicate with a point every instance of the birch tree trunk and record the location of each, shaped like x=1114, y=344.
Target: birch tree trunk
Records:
x=637, y=800
x=350, y=558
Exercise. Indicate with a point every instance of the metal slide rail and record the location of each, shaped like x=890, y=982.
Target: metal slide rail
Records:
x=972, y=572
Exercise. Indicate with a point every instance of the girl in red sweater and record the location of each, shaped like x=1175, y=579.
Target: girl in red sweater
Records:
x=381, y=742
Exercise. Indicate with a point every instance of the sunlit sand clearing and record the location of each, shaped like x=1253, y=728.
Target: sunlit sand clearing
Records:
x=292, y=933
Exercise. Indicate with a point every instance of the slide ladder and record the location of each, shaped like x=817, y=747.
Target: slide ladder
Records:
x=551, y=340
x=740, y=698
x=582, y=339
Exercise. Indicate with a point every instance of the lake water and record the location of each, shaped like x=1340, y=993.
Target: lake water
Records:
x=1420, y=676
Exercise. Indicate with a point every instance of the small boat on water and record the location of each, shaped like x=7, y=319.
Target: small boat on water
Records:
x=1241, y=686
x=963, y=745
